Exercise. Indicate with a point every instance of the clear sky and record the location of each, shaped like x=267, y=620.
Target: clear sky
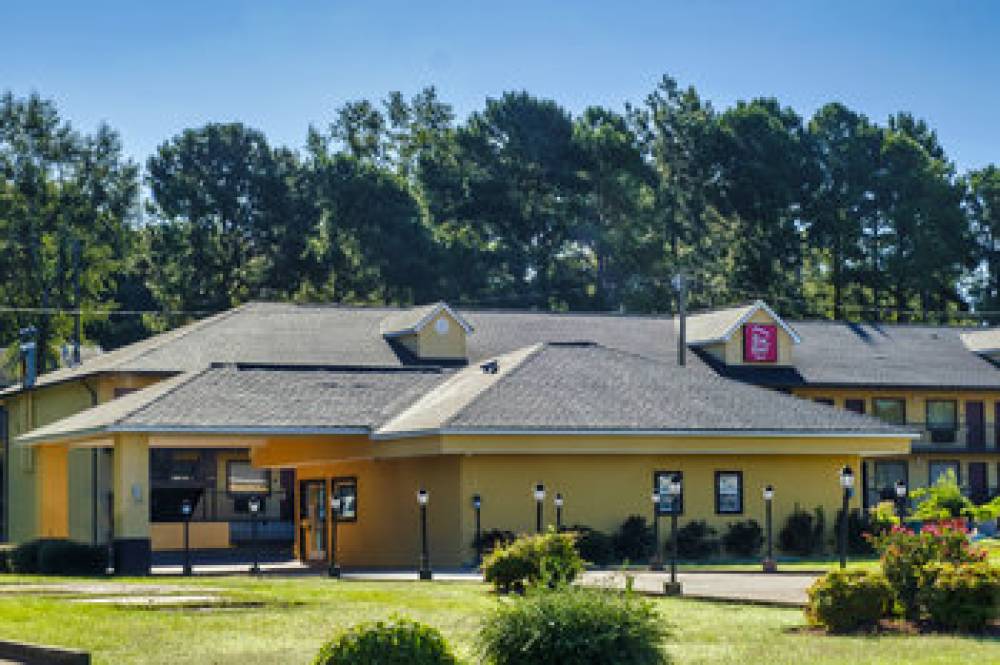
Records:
x=150, y=69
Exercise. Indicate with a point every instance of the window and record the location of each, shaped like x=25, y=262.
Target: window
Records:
x=346, y=489
x=241, y=478
x=855, y=405
x=939, y=468
x=892, y=411
x=668, y=504
x=886, y=475
x=824, y=400
x=942, y=420
x=178, y=466
x=728, y=492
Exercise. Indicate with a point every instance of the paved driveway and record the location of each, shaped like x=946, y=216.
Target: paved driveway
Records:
x=775, y=588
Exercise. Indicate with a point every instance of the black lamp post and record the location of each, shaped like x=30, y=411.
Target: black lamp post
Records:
x=186, y=509
x=425, y=559
x=901, y=499
x=334, y=570
x=559, y=507
x=673, y=587
x=770, y=565
x=253, y=503
x=846, y=483
x=477, y=508
x=539, y=501
x=657, y=562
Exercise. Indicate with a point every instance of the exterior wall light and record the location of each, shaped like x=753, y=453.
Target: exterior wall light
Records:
x=847, y=483
x=539, y=494
x=770, y=565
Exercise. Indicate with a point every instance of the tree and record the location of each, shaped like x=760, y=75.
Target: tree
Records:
x=983, y=208
x=227, y=228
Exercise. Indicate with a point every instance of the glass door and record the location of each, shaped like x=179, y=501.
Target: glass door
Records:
x=312, y=520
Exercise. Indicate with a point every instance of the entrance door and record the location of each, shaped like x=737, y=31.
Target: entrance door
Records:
x=975, y=424
x=312, y=520
x=978, y=487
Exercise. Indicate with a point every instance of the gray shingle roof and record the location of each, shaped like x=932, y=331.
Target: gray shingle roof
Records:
x=586, y=386
x=854, y=354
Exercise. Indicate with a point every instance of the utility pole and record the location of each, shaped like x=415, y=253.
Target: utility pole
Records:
x=680, y=284
x=78, y=330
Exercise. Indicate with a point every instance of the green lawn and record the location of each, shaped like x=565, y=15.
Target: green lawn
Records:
x=300, y=613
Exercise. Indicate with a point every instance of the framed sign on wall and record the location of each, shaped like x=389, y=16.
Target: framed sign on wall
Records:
x=760, y=343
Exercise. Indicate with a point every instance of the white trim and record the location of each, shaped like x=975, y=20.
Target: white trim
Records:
x=740, y=434
x=756, y=307
x=419, y=325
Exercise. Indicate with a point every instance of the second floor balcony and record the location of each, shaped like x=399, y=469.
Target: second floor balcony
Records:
x=960, y=437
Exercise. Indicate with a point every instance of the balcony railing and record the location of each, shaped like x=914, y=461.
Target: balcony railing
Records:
x=960, y=438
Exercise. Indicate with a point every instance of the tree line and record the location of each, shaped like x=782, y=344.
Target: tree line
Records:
x=521, y=204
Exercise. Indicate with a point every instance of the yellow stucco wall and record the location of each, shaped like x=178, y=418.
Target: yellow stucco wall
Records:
x=53, y=494
x=131, y=486
x=432, y=344
x=733, y=353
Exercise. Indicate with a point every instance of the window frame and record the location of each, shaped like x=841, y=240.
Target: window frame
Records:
x=345, y=481
x=739, y=492
x=906, y=476
x=849, y=401
x=952, y=431
x=660, y=510
x=229, y=484
x=898, y=400
x=958, y=470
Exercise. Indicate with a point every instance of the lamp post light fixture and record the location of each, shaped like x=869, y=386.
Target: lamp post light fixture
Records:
x=477, y=508
x=425, y=560
x=539, y=501
x=901, y=499
x=186, y=509
x=559, y=507
x=335, y=503
x=253, y=503
x=847, y=484
x=657, y=562
x=770, y=565
x=674, y=489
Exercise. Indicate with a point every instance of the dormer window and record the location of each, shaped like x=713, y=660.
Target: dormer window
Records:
x=429, y=332
x=748, y=335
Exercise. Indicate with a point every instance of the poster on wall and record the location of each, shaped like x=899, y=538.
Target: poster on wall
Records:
x=760, y=343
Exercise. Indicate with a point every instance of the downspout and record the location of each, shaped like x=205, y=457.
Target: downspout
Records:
x=93, y=471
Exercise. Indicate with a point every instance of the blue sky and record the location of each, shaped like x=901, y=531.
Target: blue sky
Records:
x=150, y=71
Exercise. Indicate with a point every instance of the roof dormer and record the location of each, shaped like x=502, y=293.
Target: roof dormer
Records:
x=429, y=332
x=747, y=335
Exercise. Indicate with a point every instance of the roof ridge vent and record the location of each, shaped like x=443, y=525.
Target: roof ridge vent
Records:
x=490, y=367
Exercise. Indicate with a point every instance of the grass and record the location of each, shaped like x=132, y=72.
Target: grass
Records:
x=299, y=614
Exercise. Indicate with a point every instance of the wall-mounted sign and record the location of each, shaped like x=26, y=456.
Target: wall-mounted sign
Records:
x=760, y=343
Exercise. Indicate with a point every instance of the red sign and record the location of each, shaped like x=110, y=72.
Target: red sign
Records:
x=760, y=343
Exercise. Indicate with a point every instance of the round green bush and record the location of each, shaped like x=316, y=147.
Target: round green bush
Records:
x=395, y=642
x=846, y=600
x=58, y=556
x=574, y=626
x=550, y=559
x=594, y=546
x=960, y=597
x=743, y=538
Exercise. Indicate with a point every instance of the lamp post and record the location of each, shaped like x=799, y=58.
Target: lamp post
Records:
x=657, y=562
x=254, y=505
x=559, y=507
x=846, y=483
x=334, y=570
x=186, y=509
x=673, y=587
x=539, y=500
x=425, y=561
x=770, y=565
x=477, y=508
x=901, y=499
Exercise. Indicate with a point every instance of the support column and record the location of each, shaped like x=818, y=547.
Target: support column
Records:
x=53, y=490
x=130, y=485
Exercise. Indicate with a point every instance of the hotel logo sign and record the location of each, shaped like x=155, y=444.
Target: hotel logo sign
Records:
x=760, y=343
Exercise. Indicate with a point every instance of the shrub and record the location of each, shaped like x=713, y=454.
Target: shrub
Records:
x=962, y=597
x=396, y=642
x=943, y=500
x=494, y=538
x=634, y=539
x=882, y=518
x=858, y=542
x=743, y=538
x=594, y=546
x=550, y=558
x=574, y=626
x=695, y=541
x=904, y=554
x=803, y=532
x=847, y=600
x=57, y=556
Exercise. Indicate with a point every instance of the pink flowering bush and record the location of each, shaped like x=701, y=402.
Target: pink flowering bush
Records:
x=905, y=553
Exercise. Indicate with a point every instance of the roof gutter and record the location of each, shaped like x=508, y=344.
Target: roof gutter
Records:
x=734, y=433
